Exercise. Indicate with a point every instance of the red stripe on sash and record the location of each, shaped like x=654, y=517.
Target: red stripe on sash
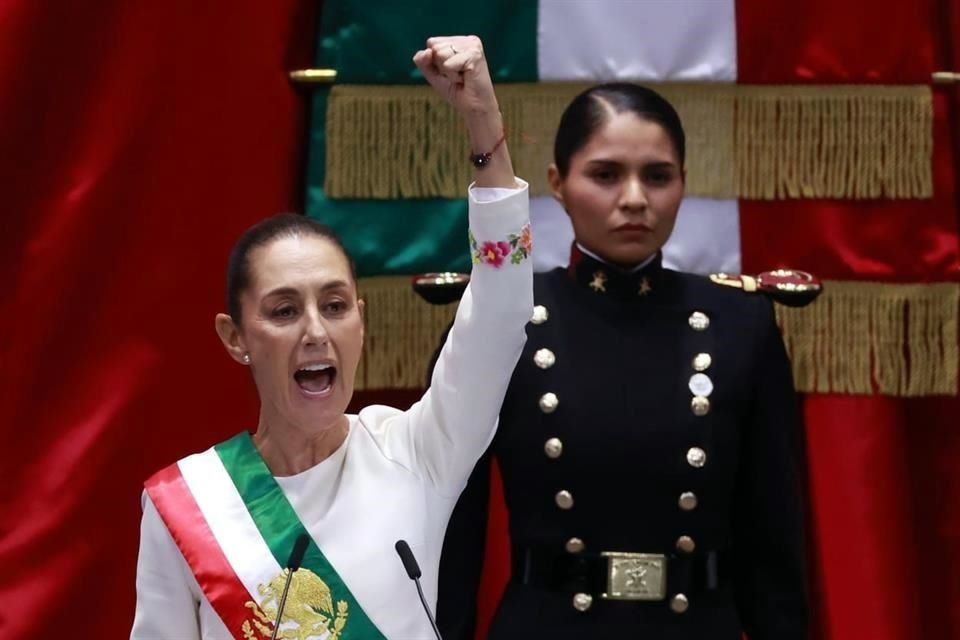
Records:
x=183, y=518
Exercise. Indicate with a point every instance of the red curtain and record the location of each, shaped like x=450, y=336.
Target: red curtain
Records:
x=138, y=139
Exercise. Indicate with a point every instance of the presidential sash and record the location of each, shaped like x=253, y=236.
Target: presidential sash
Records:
x=235, y=528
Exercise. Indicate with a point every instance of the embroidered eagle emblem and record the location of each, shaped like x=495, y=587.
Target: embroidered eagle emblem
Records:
x=308, y=613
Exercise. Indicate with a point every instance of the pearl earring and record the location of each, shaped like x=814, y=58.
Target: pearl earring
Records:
x=246, y=358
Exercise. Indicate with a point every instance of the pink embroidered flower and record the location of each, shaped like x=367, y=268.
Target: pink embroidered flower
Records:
x=517, y=248
x=526, y=239
x=493, y=253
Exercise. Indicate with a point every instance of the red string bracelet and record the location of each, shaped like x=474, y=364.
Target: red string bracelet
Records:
x=480, y=160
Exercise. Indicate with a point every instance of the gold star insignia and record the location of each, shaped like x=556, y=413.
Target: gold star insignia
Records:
x=599, y=282
x=645, y=287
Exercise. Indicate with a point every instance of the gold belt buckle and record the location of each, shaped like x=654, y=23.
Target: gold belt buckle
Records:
x=635, y=576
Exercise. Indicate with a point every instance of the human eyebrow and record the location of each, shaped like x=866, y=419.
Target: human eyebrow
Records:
x=281, y=292
x=660, y=166
x=602, y=164
x=335, y=284
x=291, y=291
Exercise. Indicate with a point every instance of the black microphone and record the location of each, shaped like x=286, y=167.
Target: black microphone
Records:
x=413, y=571
x=293, y=563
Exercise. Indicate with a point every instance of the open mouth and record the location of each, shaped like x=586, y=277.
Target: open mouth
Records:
x=315, y=378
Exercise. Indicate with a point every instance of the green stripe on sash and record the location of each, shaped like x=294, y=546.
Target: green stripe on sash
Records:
x=280, y=526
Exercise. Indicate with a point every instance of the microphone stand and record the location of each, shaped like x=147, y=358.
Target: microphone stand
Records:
x=283, y=602
x=293, y=565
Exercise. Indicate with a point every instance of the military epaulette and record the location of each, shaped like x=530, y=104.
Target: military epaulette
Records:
x=787, y=286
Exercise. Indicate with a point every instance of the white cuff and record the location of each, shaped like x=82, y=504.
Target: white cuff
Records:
x=492, y=194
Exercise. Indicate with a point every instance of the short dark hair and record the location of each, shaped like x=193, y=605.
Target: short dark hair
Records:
x=260, y=235
x=587, y=113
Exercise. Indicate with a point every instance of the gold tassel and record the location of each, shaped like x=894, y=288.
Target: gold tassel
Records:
x=868, y=337
x=759, y=142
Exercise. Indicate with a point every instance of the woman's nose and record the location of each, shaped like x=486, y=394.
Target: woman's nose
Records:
x=315, y=333
x=633, y=195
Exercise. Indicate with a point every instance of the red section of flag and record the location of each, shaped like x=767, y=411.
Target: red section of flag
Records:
x=883, y=240
x=861, y=521
x=884, y=536
x=827, y=42
x=884, y=521
x=216, y=577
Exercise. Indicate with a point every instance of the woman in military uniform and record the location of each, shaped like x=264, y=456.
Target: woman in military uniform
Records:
x=649, y=440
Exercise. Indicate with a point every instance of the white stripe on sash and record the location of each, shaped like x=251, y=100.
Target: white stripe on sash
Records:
x=229, y=520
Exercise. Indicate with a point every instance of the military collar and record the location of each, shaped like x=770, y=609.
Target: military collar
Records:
x=606, y=280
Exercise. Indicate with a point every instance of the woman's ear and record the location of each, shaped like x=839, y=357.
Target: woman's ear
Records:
x=231, y=338
x=556, y=183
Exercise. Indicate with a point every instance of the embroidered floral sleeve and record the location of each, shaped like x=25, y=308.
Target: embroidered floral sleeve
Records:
x=516, y=248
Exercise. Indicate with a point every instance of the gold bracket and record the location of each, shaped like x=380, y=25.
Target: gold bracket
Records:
x=945, y=77
x=313, y=76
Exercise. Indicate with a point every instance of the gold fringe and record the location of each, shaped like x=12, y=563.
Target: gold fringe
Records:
x=760, y=142
x=402, y=332
x=853, y=142
x=857, y=338
x=868, y=337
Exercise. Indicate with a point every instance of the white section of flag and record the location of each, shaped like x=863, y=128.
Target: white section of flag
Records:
x=552, y=234
x=706, y=238
x=653, y=40
x=597, y=40
x=231, y=523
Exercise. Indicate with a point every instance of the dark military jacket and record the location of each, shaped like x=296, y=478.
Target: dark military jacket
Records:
x=650, y=454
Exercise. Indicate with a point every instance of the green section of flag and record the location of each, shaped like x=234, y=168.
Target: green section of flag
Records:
x=373, y=42
x=386, y=237
x=280, y=527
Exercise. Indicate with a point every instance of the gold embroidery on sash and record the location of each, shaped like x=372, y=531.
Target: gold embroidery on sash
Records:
x=308, y=613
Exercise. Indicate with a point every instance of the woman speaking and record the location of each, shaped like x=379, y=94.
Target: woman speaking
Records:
x=219, y=526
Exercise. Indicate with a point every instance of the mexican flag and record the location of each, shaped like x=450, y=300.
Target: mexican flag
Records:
x=815, y=141
x=798, y=156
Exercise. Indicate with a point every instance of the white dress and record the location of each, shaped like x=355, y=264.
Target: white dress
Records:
x=397, y=475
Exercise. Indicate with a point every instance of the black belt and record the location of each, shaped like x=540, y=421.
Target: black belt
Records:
x=620, y=575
